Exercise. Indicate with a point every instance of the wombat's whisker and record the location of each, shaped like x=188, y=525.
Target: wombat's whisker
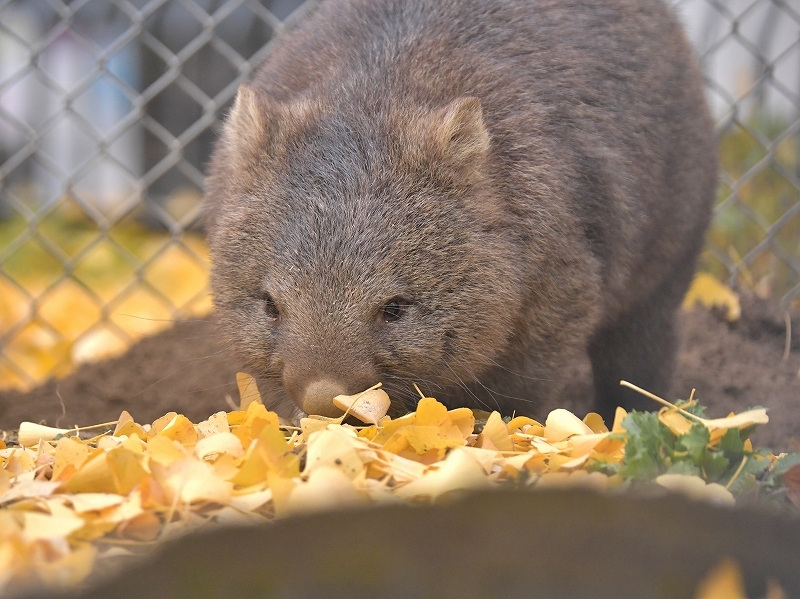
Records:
x=214, y=334
x=400, y=390
x=465, y=387
x=225, y=348
x=411, y=378
x=492, y=392
x=231, y=385
x=472, y=375
x=497, y=364
x=173, y=321
x=469, y=375
x=400, y=385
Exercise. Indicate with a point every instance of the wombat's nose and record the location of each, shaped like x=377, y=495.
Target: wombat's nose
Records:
x=318, y=398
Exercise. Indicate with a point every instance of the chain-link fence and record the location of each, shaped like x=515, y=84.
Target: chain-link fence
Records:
x=750, y=54
x=108, y=109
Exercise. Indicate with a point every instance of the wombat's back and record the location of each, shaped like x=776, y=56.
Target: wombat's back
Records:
x=599, y=96
x=600, y=170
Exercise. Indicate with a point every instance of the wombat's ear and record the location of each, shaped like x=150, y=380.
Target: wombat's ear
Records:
x=246, y=131
x=259, y=126
x=458, y=133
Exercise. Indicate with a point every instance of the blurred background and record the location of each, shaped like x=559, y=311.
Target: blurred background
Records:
x=108, y=109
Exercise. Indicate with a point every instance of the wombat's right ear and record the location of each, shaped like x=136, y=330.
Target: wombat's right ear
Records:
x=458, y=137
x=246, y=132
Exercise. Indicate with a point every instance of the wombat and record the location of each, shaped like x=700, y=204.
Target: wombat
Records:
x=463, y=194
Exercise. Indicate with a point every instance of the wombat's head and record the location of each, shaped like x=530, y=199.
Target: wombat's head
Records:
x=355, y=244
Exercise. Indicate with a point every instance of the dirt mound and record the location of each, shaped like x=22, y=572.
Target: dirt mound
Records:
x=189, y=369
x=741, y=365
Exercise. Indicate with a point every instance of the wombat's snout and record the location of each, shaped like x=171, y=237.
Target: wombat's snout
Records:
x=318, y=398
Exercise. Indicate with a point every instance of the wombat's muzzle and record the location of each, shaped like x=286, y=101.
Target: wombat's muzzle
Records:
x=318, y=398
x=313, y=379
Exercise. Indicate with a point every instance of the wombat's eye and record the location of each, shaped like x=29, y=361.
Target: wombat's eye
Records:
x=270, y=308
x=394, y=309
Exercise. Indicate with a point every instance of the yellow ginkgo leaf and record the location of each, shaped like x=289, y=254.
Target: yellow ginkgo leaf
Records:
x=219, y=443
x=127, y=426
x=145, y=526
x=248, y=390
x=160, y=423
x=37, y=525
x=256, y=418
x=463, y=419
x=70, y=569
x=312, y=425
x=741, y=420
x=519, y=422
x=94, y=502
x=496, y=432
x=190, y=481
x=619, y=416
x=236, y=418
x=583, y=444
x=282, y=487
x=252, y=471
x=486, y=457
x=127, y=467
x=326, y=488
x=24, y=489
x=430, y=412
x=94, y=476
x=526, y=461
x=164, y=450
x=217, y=423
x=457, y=472
x=675, y=421
x=369, y=406
x=562, y=424
x=567, y=463
x=696, y=488
x=725, y=581
x=180, y=429
x=130, y=507
x=333, y=448
x=30, y=433
x=707, y=290
x=595, y=422
x=251, y=501
x=389, y=427
x=19, y=460
x=69, y=452
x=426, y=438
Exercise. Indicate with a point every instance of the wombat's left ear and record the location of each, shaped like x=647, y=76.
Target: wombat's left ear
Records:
x=458, y=134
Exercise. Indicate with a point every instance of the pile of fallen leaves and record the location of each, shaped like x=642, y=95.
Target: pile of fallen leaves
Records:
x=70, y=498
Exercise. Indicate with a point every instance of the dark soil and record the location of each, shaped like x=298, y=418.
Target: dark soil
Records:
x=189, y=370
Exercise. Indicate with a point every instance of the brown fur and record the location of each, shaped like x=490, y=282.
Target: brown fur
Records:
x=534, y=176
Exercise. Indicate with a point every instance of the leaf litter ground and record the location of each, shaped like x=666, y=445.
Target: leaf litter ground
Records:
x=70, y=498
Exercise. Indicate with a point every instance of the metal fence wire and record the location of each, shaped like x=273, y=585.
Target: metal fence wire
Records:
x=108, y=109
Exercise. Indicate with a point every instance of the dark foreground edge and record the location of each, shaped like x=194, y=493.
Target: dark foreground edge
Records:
x=553, y=544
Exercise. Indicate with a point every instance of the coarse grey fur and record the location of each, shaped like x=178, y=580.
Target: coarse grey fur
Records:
x=531, y=178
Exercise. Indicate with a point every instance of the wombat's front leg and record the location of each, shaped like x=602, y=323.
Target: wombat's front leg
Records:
x=641, y=348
